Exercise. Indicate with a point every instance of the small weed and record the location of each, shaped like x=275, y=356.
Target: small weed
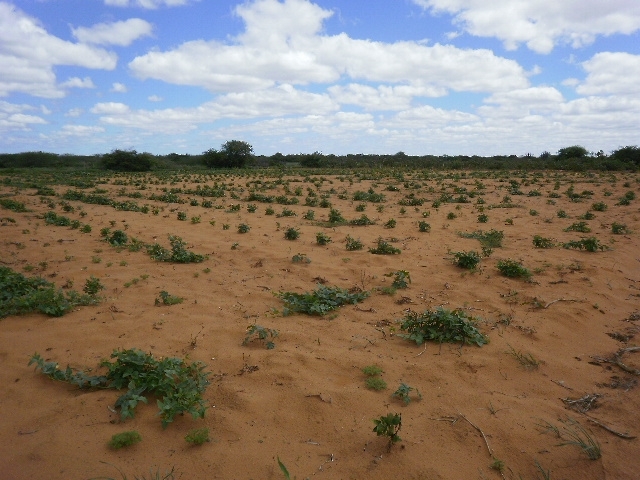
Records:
x=599, y=207
x=513, y=269
x=195, y=219
x=527, y=360
x=300, y=258
x=403, y=393
x=182, y=216
x=497, y=465
x=336, y=217
x=322, y=239
x=391, y=223
x=319, y=302
x=424, y=227
x=483, y=218
x=468, y=260
x=197, y=436
x=533, y=213
x=291, y=233
x=581, y=227
x=93, y=286
x=389, y=426
x=309, y=215
x=226, y=226
x=375, y=383
x=384, y=248
x=451, y=216
x=258, y=332
x=269, y=211
x=492, y=238
x=541, y=242
x=590, y=244
x=619, y=228
x=562, y=214
x=243, y=228
x=353, y=244
x=177, y=254
x=372, y=370
x=166, y=299
x=401, y=279
x=96, y=259
x=124, y=439
x=442, y=325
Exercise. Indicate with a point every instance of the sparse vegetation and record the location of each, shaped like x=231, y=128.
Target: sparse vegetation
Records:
x=442, y=325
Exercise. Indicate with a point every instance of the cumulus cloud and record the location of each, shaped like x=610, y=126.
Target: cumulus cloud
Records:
x=12, y=116
x=118, y=87
x=283, y=43
x=149, y=4
x=28, y=55
x=154, y=98
x=611, y=73
x=541, y=24
x=76, y=82
x=122, y=33
x=79, y=130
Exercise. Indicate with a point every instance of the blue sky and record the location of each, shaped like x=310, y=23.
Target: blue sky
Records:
x=336, y=76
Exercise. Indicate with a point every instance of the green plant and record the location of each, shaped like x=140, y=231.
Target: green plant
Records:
x=284, y=470
x=442, y=325
x=177, y=254
x=401, y=279
x=384, y=248
x=424, y=227
x=300, y=258
x=372, y=370
x=309, y=215
x=492, y=238
x=497, y=465
x=86, y=228
x=483, y=218
x=258, y=332
x=375, y=383
x=527, y=360
x=124, y=439
x=166, y=299
x=391, y=223
x=93, y=286
x=389, y=426
x=197, y=436
x=403, y=393
x=542, y=242
x=599, y=207
x=269, y=211
x=226, y=226
x=243, y=228
x=451, y=216
x=319, y=302
x=587, y=216
x=195, y=220
x=252, y=208
x=182, y=216
x=178, y=385
x=578, y=227
x=590, y=244
x=561, y=214
x=336, y=217
x=468, y=260
x=322, y=239
x=533, y=212
x=575, y=434
x=513, y=269
x=362, y=221
x=353, y=244
x=619, y=228
x=291, y=233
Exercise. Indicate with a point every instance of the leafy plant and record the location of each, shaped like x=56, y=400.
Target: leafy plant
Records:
x=619, y=228
x=578, y=227
x=124, y=439
x=300, y=258
x=527, y=360
x=542, y=242
x=178, y=385
x=389, y=426
x=372, y=370
x=468, y=260
x=319, y=302
x=599, y=207
x=492, y=238
x=401, y=278
x=403, y=393
x=391, y=223
x=291, y=233
x=442, y=325
x=177, y=254
x=13, y=205
x=375, y=383
x=263, y=334
x=384, y=248
x=243, y=228
x=513, y=269
x=93, y=286
x=322, y=238
x=353, y=244
x=166, y=299
x=197, y=436
x=591, y=244
x=424, y=227
x=362, y=221
x=483, y=218
x=182, y=216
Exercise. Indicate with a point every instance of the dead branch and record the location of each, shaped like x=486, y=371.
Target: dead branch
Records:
x=481, y=433
x=609, y=429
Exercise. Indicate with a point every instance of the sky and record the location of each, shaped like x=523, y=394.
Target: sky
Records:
x=425, y=77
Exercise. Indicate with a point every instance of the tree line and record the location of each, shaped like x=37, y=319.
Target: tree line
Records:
x=239, y=154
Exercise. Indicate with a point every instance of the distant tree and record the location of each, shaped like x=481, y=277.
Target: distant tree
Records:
x=575, y=151
x=311, y=160
x=545, y=155
x=628, y=154
x=276, y=159
x=127, y=161
x=232, y=154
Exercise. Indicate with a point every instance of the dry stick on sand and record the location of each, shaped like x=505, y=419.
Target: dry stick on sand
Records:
x=483, y=436
x=560, y=300
x=609, y=429
x=617, y=360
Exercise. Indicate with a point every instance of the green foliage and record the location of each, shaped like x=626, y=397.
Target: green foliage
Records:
x=362, y=221
x=403, y=393
x=401, y=278
x=300, y=258
x=424, y=227
x=117, y=238
x=197, y=436
x=483, y=218
x=389, y=426
x=291, y=233
x=619, y=228
x=127, y=161
x=578, y=227
x=353, y=244
x=384, y=248
x=263, y=334
x=391, y=223
x=542, y=242
x=182, y=216
x=590, y=244
x=336, y=217
x=513, y=269
x=442, y=325
x=284, y=470
x=375, y=383
x=93, y=286
x=599, y=207
x=527, y=360
x=322, y=239
x=124, y=439
x=52, y=218
x=12, y=205
x=21, y=295
x=492, y=238
x=561, y=214
x=243, y=228
x=232, y=154
x=164, y=298
x=575, y=151
x=177, y=254
x=468, y=260
x=319, y=302
x=372, y=370
x=587, y=216
x=178, y=385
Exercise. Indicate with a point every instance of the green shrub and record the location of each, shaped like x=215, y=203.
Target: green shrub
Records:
x=375, y=383
x=243, y=228
x=513, y=269
x=403, y=393
x=541, y=242
x=442, y=325
x=322, y=238
x=483, y=218
x=492, y=238
x=578, y=227
x=468, y=260
x=336, y=217
x=353, y=244
x=619, y=228
x=262, y=334
x=372, y=370
x=424, y=227
x=389, y=426
x=401, y=279
x=197, y=436
x=590, y=244
x=362, y=221
x=177, y=254
x=384, y=248
x=166, y=299
x=599, y=207
x=291, y=233
x=319, y=302
x=391, y=223
x=124, y=439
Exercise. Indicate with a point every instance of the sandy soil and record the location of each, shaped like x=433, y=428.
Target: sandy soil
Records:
x=305, y=401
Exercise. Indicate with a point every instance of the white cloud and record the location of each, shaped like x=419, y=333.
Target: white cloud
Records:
x=118, y=87
x=13, y=118
x=149, y=4
x=74, y=112
x=79, y=130
x=28, y=55
x=611, y=73
x=110, y=108
x=154, y=98
x=283, y=43
x=45, y=110
x=122, y=33
x=75, y=82
x=541, y=24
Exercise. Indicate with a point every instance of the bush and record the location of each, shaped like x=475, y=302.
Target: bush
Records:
x=541, y=242
x=127, y=161
x=322, y=239
x=384, y=248
x=442, y=325
x=124, y=439
x=512, y=269
x=319, y=302
x=468, y=260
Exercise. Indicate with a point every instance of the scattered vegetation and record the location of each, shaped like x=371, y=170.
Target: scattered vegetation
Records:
x=177, y=254
x=403, y=393
x=442, y=325
x=468, y=260
x=262, y=334
x=319, y=302
x=124, y=439
x=513, y=269
x=384, y=248
x=590, y=244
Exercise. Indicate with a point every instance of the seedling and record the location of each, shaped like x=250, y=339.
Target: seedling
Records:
x=197, y=436
x=353, y=244
x=93, y=286
x=403, y=393
x=375, y=383
x=513, y=269
x=468, y=260
x=389, y=426
x=384, y=248
x=300, y=258
x=124, y=439
x=322, y=238
x=258, y=332
x=542, y=242
x=492, y=238
x=372, y=370
x=166, y=299
x=527, y=360
x=442, y=325
x=401, y=279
